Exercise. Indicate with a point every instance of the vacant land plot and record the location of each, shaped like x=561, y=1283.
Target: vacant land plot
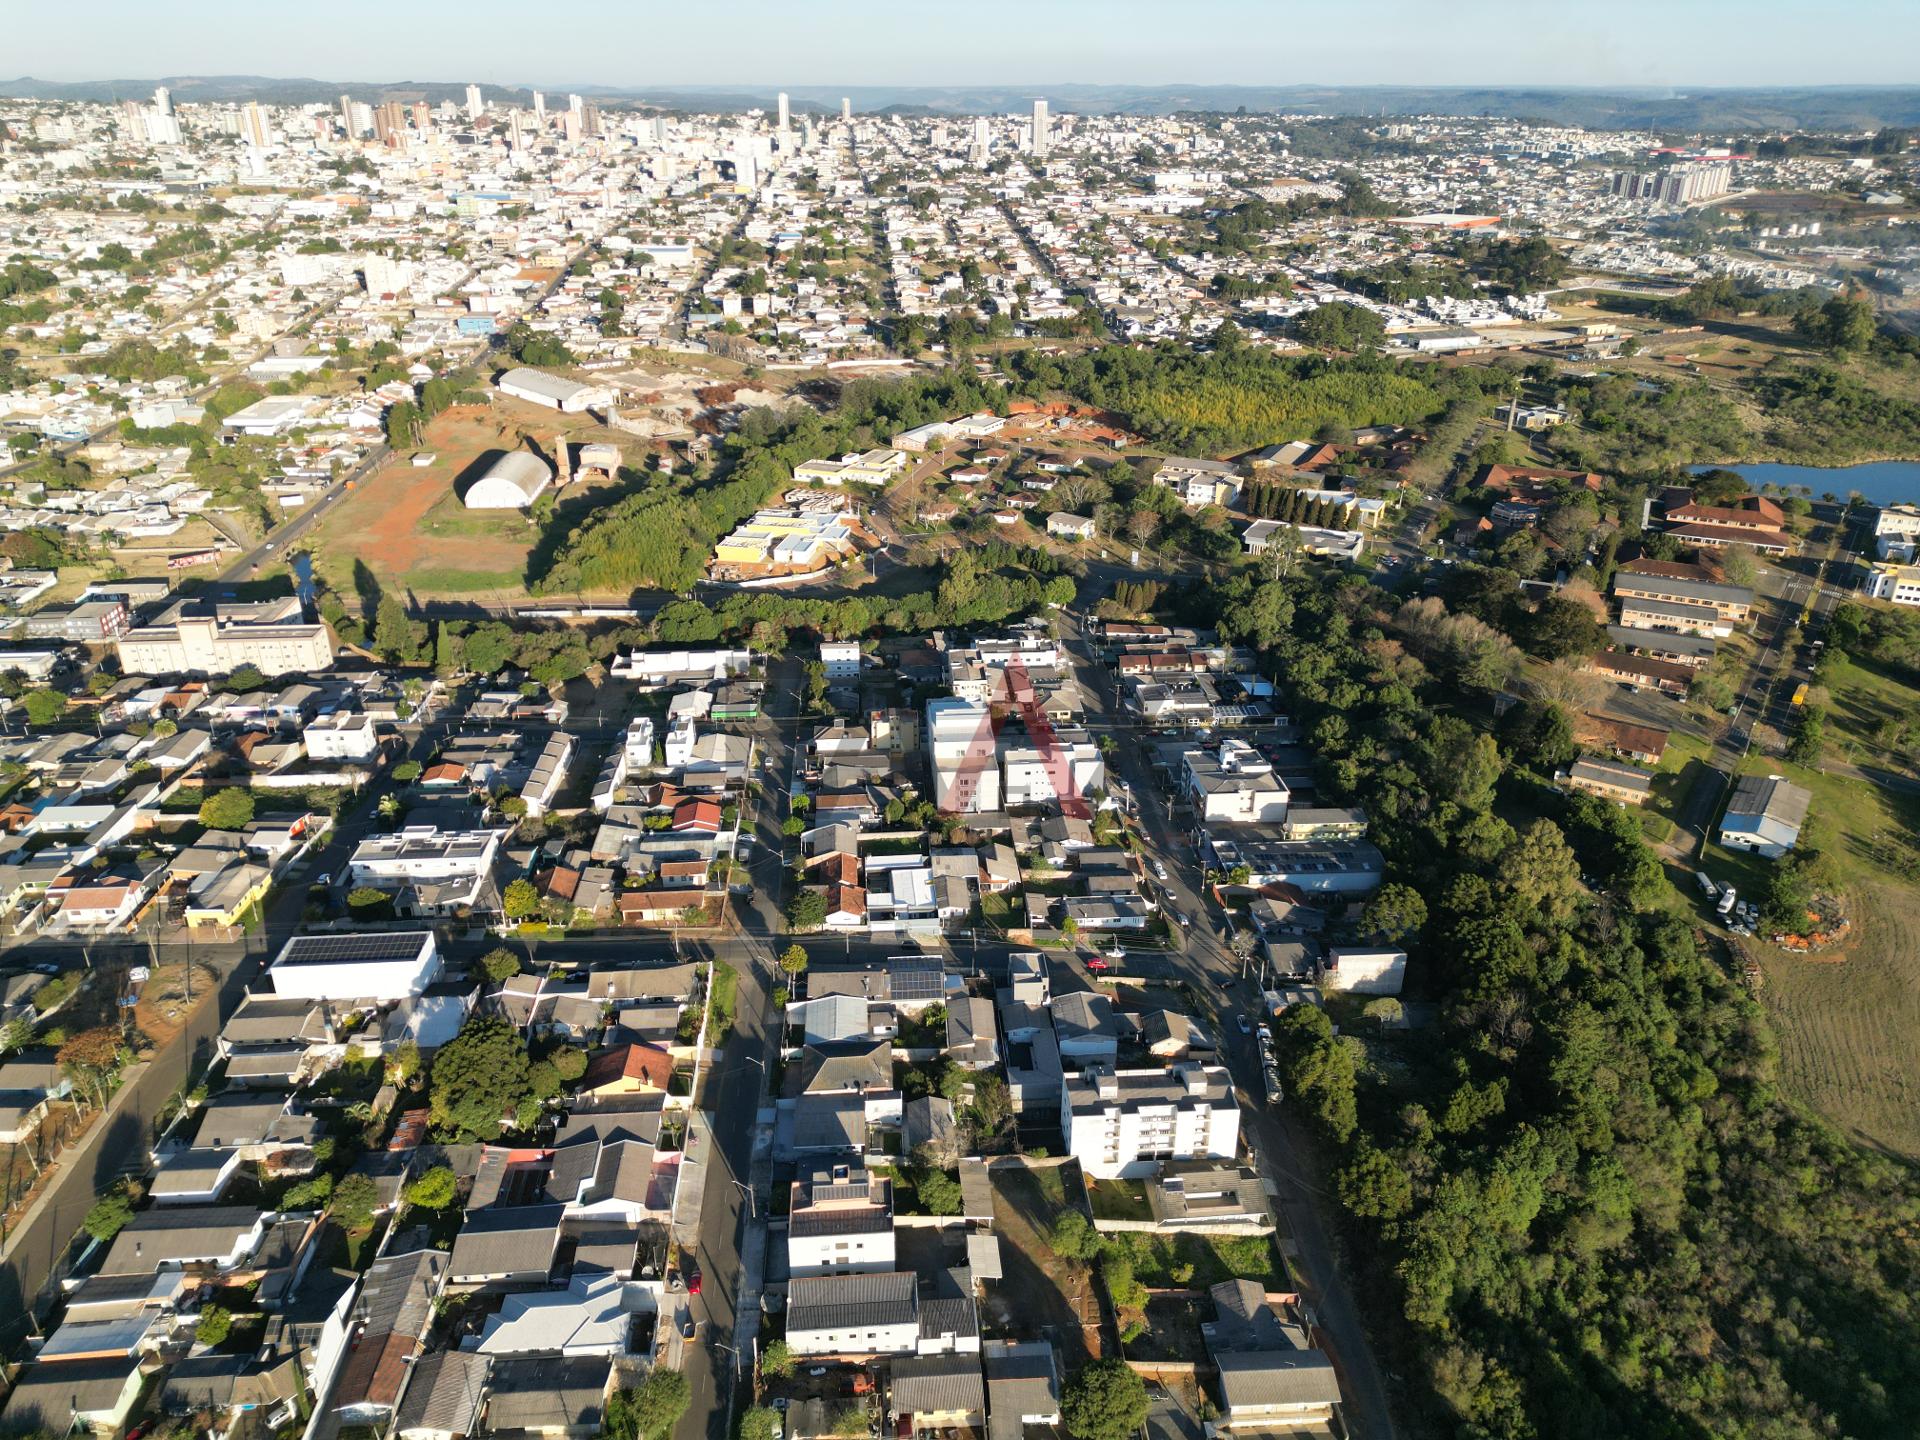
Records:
x=1846, y=1018
x=1194, y=1262
x=408, y=527
x=1043, y=1295
x=1871, y=714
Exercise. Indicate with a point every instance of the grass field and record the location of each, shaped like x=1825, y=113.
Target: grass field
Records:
x=1871, y=715
x=1846, y=1019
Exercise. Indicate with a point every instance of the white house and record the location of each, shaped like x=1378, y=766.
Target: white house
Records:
x=341, y=736
x=1765, y=815
x=1071, y=526
x=444, y=869
x=1120, y=1124
x=387, y=966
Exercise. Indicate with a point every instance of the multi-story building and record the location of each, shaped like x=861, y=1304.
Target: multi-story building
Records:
x=1898, y=583
x=1235, y=784
x=1678, y=185
x=854, y=1315
x=1896, y=531
x=191, y=640
x=966, y=761
x=431, y=871
x=91, y=622
x=1728, y=602
x=1120, y=1124
x=1199, y=482
x=342, y=735
x=1031, y=774
x=840, y=1223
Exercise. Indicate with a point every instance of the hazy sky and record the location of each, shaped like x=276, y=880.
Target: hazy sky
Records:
x=754, y=43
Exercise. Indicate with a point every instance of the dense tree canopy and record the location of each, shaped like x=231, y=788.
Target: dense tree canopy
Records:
x=479, y=1076
x=1579, y=1189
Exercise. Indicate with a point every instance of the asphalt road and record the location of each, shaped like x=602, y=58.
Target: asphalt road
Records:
x=1205, y=962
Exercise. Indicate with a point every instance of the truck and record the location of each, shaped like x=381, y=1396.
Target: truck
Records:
x=1707, y=887
x=1727, y=901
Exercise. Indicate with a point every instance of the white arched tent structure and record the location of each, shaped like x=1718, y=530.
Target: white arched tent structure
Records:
x=512, y=482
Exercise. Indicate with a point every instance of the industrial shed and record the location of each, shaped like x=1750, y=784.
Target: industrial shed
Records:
x=512, y=482
x=556, y=392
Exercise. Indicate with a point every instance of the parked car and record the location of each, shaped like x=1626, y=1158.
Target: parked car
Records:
x=1246, y=1025
x=693, y=1280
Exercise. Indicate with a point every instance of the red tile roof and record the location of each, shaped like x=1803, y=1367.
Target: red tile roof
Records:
x=646, y=1063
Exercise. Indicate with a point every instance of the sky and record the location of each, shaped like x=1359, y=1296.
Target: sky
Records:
x=753, y=44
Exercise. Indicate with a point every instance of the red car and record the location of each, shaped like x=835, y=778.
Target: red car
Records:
x=1096, y=963
x=693, y=1282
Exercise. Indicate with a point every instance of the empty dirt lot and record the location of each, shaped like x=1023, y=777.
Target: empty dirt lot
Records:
x=407, y=524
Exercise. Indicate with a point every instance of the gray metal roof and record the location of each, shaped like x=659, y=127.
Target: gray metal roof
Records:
x=444, y=1393
x=938, y=1384
x=515, y=1240
x=1259, y=1379
x=846, y=1302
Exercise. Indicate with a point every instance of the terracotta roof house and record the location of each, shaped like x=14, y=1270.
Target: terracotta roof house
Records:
x=627, y=1068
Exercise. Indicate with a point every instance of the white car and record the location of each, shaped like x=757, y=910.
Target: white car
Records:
x=1159, y=869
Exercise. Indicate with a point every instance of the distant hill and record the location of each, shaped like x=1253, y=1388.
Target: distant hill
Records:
x=1717, y=110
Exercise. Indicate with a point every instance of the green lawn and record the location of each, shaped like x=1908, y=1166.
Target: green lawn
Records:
x=1197, y=1261
x=1118, y=1200
x=1872, y=715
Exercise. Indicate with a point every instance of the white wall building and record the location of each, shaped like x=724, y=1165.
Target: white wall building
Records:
x=853, y=1315
x=841, y=659
x=840, y=1223
x=1896, y=531
x=341, y=736
x=389, y=966
x=1364, y=970
x=966, y=763
x=639, y=742
x=1026, y=777
x=1235, y=785
x=1122, y=1124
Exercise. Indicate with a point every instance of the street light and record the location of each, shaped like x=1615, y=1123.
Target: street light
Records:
x=753, y=1206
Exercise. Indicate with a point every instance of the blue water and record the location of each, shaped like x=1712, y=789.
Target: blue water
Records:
x=1884, y=482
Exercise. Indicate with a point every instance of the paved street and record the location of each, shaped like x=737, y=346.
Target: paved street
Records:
x=1203, y=960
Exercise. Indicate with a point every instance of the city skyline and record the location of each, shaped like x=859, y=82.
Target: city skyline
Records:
x=1636, y=44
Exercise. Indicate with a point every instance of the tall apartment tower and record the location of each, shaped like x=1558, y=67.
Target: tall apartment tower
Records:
x=981, y=150
x=253, y=125
x=476, y=103
x=163, y=100
x=846, y=110
x=1040, y=127
x=539, y=109
x=786, y=116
